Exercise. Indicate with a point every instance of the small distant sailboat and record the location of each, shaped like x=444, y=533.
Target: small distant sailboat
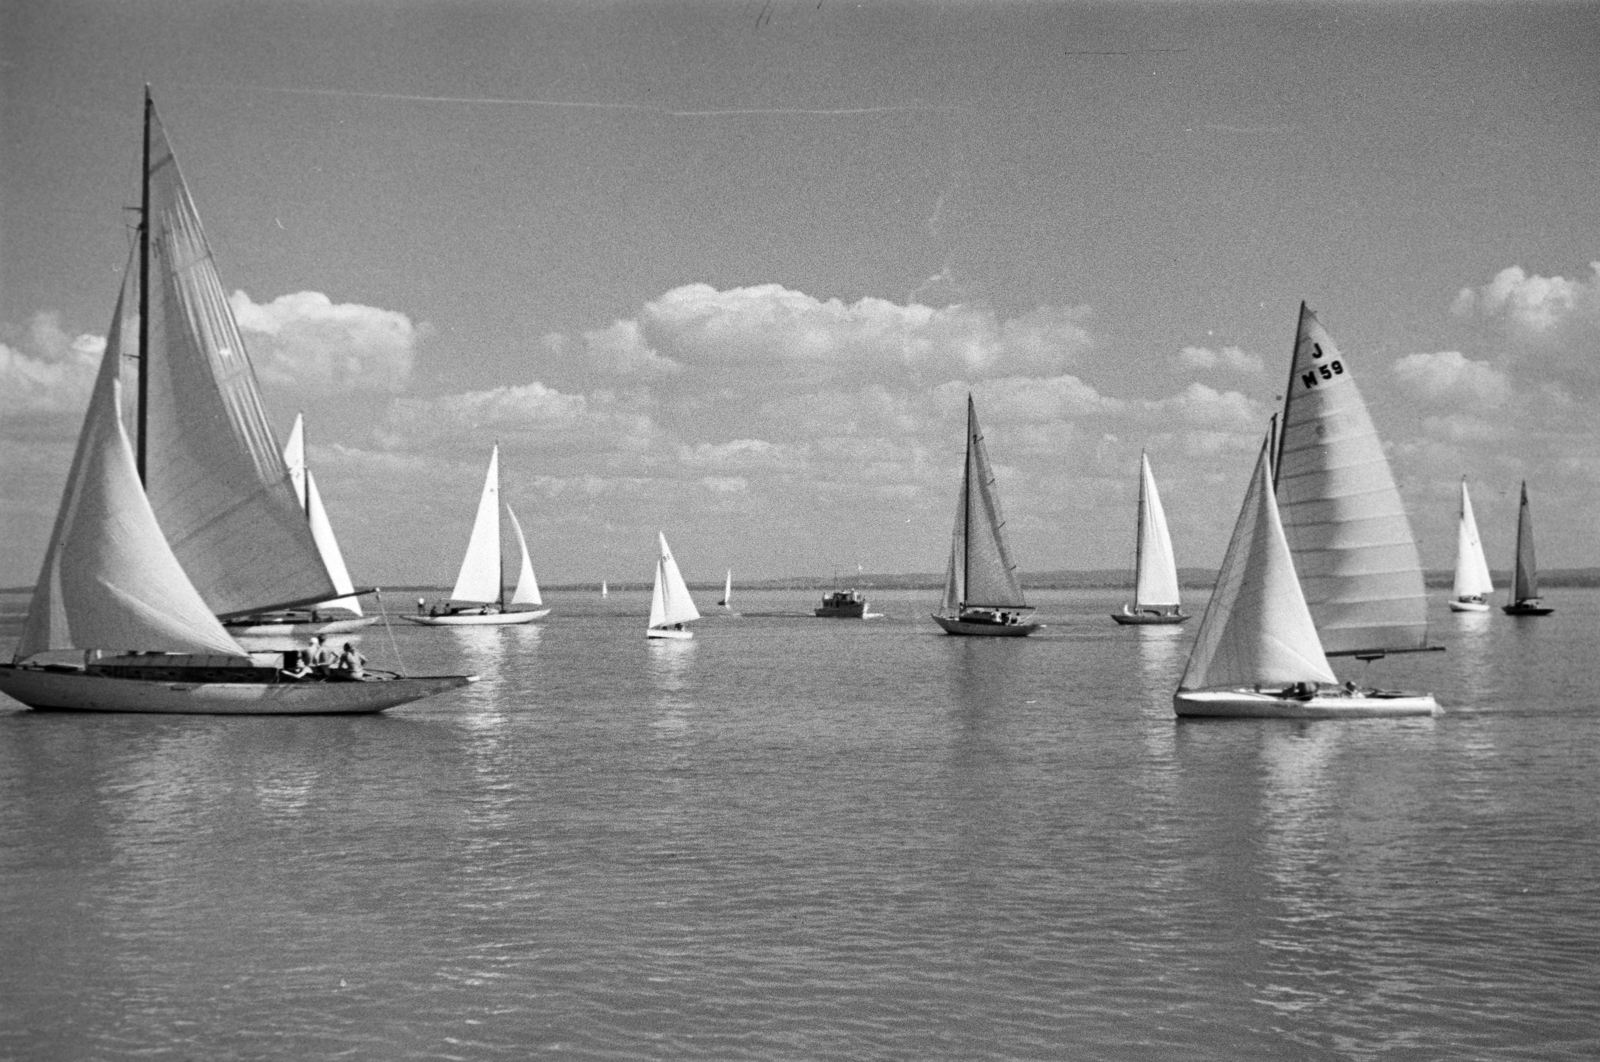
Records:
x=155, y=539
x=727, y=591
x=670, y=604
x=479, y=596
x=982, y=595
x=1155, y=583
x=310, y=621
x=1257, y=652
x=1525, y=583
x=603, y=591
x=1473, y=583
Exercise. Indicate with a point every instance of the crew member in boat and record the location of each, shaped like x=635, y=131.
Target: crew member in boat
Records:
x=350, y=663
x=319, y=658
x=294, y=665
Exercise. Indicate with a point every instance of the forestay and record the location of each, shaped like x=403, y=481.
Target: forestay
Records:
x=1256, y=628
x=109, y=579
x=214, y=476
x=1341, y=511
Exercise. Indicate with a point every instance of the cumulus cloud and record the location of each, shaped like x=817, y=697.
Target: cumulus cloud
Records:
x=1450, y=376
x=1230, y=358
x=308, y=340
x=1532, y=303
x=46, y=374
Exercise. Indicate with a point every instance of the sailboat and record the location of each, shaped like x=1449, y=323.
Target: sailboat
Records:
x=1473, y=584
x=1342, y=514
x=603, y=591
x=155, y=538
x=479, y=596
x=982, y=595
x=1257, y=652
x=310, y=621
x=1155, y=581
x=670, y=604
x=727, y=591
x=1525, y=583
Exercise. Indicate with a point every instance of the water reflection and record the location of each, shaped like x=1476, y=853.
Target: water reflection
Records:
x=1471, y=649
x=667, y=663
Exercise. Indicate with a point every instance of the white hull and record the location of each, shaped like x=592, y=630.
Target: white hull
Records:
x=476, y=619
x=78, y=691
x=1248, y=704
x=667, y=632
x=1469, y=606
x=261, y=630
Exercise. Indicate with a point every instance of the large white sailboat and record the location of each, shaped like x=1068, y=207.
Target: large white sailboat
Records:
x=1155, y=580
x=157, y=538
x=1525, y=578
x=479, y=596
x=1473, y=583
x=670, y=604
x=1257, y=652
x=982, y=595
x=346, y=614
x=1342, y=514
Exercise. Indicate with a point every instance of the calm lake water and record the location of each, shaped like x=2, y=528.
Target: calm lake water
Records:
x=795, y=838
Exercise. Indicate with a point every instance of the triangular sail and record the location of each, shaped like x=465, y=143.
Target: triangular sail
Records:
x=215, y=478
x=727, y=590
x=109, y=579
x=1525, y=584
x=669, y=600
x=954, y=587
x=990, y=577
x=305, y=489
x=527, y=592
x=1342, y=513
x=1156, y=581
x=1472, y=568
x=1257, y=628
x=479, y=578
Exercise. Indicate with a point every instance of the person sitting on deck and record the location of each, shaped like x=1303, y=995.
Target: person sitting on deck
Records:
x=319, y=657
x=350, y=663
x=294, y=665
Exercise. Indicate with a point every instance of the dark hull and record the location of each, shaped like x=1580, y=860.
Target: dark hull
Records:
x=984, y=628
x=1522, y=608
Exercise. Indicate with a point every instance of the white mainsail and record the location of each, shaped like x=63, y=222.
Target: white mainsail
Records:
x=1156, y=578
x=1472, y=567
x=727, y=591
x=981, y=573
x=1341, y=511
x=527, y=592
x=305, y=488
x=109, y=579
x=479, y=579
x=214, y=476
x=670, y=602
x=1257, y=628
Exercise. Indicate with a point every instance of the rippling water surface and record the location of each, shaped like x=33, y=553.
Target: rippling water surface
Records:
x=795, y=838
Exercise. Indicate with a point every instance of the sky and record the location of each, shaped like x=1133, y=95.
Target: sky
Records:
x=730, y=270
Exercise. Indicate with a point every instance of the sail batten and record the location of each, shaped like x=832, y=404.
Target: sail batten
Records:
x=213, y=473
x=1341, y=512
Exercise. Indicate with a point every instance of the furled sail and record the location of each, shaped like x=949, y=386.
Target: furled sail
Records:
x=989, y=577
x=1257, y=628
x=1525, y=583
x=213, y=473
x=479, y=578
x=1341, y=511
x=109, y=579
x=1472, y=568
x=669, y=599
x=1156, y=581
x=527, y=592
x=305, y=488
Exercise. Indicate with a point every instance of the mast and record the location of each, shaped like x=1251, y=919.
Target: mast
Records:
x=502, y=550
x=966, y=515
x=144, y=288
x=1276, y=451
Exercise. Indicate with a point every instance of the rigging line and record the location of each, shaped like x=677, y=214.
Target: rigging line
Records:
x=595, y=105
x=393, y=646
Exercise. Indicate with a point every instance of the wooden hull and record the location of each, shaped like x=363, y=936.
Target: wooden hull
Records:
x=1469, y=606
x=55, y=690
x=982, y=629
x=475, y=619
x=1526, y=608
x=1144, y=619
x=300, y=629
x=1248, y=704
x=668, y=632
